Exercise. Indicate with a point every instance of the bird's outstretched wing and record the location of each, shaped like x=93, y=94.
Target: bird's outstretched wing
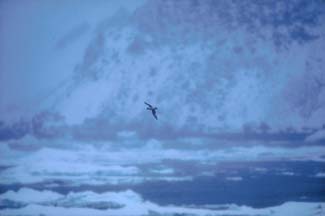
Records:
x=147, y=104
x=155, y=115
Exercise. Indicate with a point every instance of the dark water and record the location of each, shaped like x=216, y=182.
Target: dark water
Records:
x=257, y=188
x=257, y=192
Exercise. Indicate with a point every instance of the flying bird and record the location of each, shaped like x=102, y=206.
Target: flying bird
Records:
x=153, y=110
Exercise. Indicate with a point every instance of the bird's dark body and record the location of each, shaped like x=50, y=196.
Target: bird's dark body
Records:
x=153, y=110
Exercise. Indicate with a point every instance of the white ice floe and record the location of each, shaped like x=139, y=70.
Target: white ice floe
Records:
x=235, y=178
x=163, y=171
x=320, y=175
x=89, y=165
x=287, y=173
x=130, y=203
x=48, y=164
x=260, y=169
x=28, y=195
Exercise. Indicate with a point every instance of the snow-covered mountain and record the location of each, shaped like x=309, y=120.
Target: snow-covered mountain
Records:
x=216, y=71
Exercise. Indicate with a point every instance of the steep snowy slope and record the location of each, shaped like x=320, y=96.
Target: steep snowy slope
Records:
x=217, y=72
